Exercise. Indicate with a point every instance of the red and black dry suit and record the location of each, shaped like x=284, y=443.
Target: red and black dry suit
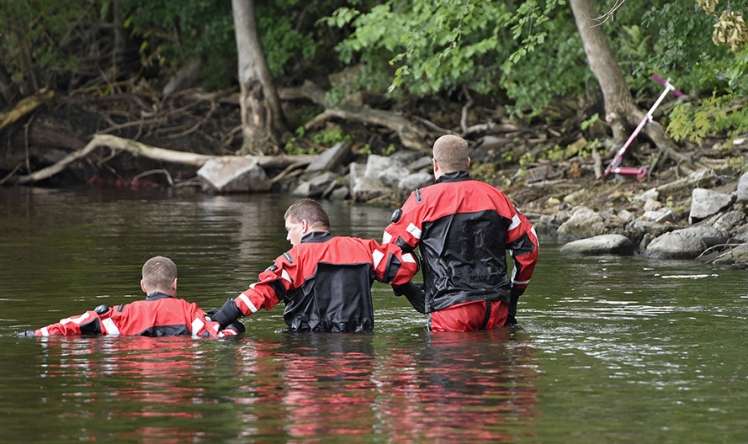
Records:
x=158, y=315
x=464, y=228
x=325, y=282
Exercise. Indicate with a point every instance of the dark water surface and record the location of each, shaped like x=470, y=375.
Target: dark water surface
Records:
x=611, y=349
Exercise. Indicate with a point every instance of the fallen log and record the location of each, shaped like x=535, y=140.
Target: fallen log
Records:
x=151, y=152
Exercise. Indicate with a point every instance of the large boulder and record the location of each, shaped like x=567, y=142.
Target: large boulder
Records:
x=583, y=223
x=315, y=186
x=597, y=245
x=415, y=180
x=331, y=158
x=233, y=174
x=388, y=170
x=686, y=243
x=705, y=203
x=363, y=188
x=743, y=188
x=420, y=164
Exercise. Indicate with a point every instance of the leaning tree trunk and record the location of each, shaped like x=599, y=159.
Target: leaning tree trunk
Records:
x=262, y=117
x=620, y=109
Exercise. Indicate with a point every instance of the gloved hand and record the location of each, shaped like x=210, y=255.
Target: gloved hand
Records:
x=226, y=315
x=235, y=328
x=514, y=298
x=414, y=293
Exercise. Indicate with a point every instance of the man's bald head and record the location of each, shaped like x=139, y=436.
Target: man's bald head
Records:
x=451, y=153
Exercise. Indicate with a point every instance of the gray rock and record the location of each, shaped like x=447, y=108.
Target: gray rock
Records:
x=363, y=188
x=659, y=216
x=652, y=205
x=603, y=244
x=743, y=188
x=576, y=197
x=233, y=174
x=686, y=243
x=419, y=164
x=637, y=229
x=405, y=156
x=339, y=193
x=415, y=180
x=650, y=194
x=315, y=186
x=737, y=256
x=726, y=222
x=583, y=223
x=740, y=234
x=705, y=203
x=385, y=169
x=626, y=216
x=331, y=158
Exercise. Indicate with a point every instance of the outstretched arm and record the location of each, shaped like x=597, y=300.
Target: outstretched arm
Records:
x=272, y=286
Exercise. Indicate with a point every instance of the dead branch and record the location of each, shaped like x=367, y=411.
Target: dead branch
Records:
x=150, y=152
x=411, y=135
x=157, y=171
x=25, y=107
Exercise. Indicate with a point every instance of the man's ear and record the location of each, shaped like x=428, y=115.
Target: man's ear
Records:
x=174, y=284
x=468, y=163
x=142, y=287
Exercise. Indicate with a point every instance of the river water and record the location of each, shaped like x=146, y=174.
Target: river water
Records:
x=610, y=349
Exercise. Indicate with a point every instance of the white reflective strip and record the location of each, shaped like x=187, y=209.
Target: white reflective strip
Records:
x=286, y=276
x=81, y=318
x=45, y=332
x=386, y=238
x=65, y=321
x=520, y=282
x=535, y=234
x=244, y=298
x=197, y=325
x=415, y=231
x=515, y=222
x=407, y=257
x=377, y=256
x=111, y=329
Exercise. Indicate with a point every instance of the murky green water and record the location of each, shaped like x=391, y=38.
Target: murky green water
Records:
x=611, y=349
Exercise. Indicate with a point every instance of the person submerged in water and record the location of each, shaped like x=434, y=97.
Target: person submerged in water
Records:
x=160, y=314
x=324, y=280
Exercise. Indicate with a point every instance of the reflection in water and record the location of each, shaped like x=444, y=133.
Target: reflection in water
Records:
x=448, y=387
x=149, y=382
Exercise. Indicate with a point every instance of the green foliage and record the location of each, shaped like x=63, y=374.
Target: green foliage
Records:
x=713, y=116
x=329, y=136
x=174, y=32
x=483, y=171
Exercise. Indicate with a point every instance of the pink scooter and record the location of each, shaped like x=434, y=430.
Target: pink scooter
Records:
x=640, y=172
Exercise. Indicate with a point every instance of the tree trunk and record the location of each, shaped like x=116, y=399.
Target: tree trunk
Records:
x=263, y=121
x=616, y=95
x=7, y=89
x=120, y=39
x=620, y=109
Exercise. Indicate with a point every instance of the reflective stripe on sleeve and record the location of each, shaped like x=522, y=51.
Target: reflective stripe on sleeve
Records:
x=407, y=257
x=197, y=325
x=415, y=231
x=111, y=329
x=44, y=331
x=377, y=257
x=515, y=222
x=244, y=298
x=520, y=282
x=286, y=276
x=386, y=238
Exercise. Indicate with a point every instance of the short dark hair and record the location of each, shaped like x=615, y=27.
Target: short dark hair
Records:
x=308, y=210
x=159, y=272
